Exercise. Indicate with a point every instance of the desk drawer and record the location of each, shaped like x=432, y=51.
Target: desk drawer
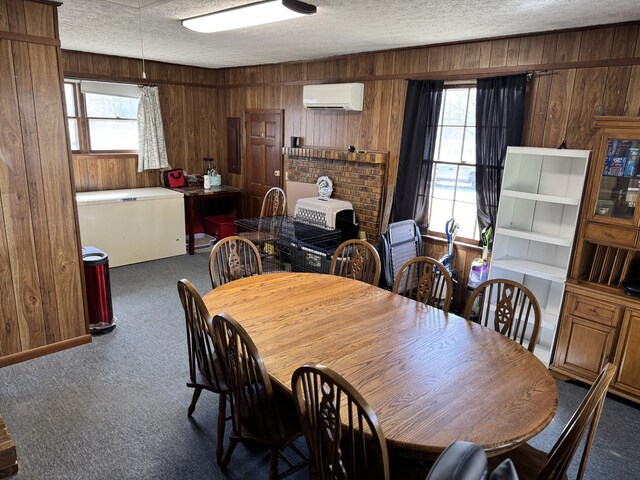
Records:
x=607, y=235
x=594, y=310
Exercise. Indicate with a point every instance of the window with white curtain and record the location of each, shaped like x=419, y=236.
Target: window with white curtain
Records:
x=102, y=116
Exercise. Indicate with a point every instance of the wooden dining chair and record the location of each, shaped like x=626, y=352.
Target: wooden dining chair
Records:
x=508, y=307
x=344, y=438
x=260, y=413
x=272, y=213
x=233, y=258
x=533, y=464
x=206, y=370
x=356, y=259
x=342, y=431
x=425, y=280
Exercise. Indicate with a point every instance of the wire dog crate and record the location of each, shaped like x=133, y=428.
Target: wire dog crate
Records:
x=292, y=244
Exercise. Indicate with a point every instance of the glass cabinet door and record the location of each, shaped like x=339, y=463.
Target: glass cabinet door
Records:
x=620, y=180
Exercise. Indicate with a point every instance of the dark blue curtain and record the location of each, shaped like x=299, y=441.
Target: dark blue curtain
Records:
x=421, y=112
x=499, y=122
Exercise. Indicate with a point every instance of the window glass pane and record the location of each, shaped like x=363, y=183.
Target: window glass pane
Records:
x=109, y=135
x=436, y=150
x=466, y=215
x=444, y=181
x=440, y=211
x=69, y=98
x=455, y=106
x=471, y=113
x=73, y=134
x=442, y=106
x=451, y=144
x=466, y=186
x=107, y=106
x=453, y=183
x=469, y=149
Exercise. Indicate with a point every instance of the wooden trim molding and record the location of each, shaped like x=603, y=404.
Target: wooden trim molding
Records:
x=454, y=74
x=337, y=154
x=44, y=350
x=133, y=79
x=23, y=37
x=48, y=2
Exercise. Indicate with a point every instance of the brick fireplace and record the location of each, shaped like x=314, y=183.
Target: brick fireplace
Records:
x=357, y=177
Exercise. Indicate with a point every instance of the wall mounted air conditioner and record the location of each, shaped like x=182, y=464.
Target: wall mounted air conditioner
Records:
x=334, y=96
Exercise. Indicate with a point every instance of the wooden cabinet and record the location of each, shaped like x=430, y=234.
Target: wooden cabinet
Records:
x=42, y=305
x=599, y=323
x=628, y=355
x=616, y=179
x=589, y=329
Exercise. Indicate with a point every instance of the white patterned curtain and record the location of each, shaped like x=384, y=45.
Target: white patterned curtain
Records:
x=152, y=151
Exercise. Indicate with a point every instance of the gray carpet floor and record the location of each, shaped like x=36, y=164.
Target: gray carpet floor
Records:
x=116, y=408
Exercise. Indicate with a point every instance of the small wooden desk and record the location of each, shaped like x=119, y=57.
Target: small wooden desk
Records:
x=197, y=194
x=432, y=378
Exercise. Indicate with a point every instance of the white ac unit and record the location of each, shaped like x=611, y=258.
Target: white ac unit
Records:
x=334, y=96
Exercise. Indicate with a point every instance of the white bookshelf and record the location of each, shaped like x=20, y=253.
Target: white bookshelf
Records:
x=536, y=224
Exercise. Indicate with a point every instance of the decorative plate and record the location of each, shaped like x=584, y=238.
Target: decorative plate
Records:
x=325, y=186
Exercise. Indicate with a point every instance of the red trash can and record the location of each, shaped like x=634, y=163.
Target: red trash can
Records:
x=96, y=279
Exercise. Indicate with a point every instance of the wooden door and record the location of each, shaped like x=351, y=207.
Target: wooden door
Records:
x=264, y=156
x=628, y=354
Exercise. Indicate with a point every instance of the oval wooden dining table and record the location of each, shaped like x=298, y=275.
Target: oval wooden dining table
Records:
x=432, y=378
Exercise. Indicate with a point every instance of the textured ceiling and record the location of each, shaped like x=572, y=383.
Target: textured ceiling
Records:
x=339, y=27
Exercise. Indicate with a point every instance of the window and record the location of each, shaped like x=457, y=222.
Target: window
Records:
x=453, y=180
x=102, y=116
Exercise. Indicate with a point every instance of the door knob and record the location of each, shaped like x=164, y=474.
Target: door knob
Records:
x=276, y=173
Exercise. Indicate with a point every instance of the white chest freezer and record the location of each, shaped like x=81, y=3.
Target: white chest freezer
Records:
x=133, y=225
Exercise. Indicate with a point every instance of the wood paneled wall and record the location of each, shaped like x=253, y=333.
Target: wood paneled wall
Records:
x=574, y=72
x=187, y=101
x=42, y=305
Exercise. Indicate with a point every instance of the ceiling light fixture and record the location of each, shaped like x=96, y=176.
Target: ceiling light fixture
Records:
x=249, y=15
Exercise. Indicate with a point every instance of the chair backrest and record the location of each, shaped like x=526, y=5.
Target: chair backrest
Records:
x=202, y=351
x=400, y=243
x=425, y=280
x=254, y=413
x=508, y=307
x=343, y=435
x=586, y=417
x=273, y=211
x=356, y=259
x=233, y=258
x=274, y=203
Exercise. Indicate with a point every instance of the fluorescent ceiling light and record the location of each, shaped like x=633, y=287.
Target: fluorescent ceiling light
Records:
x=258, y=13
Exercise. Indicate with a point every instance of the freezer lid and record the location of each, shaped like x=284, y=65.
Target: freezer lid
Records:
x=127, y=195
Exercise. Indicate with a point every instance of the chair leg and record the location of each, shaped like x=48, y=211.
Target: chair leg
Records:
x=196, y=395
x=222, y=414
x=227, y=454
x=273, y=464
